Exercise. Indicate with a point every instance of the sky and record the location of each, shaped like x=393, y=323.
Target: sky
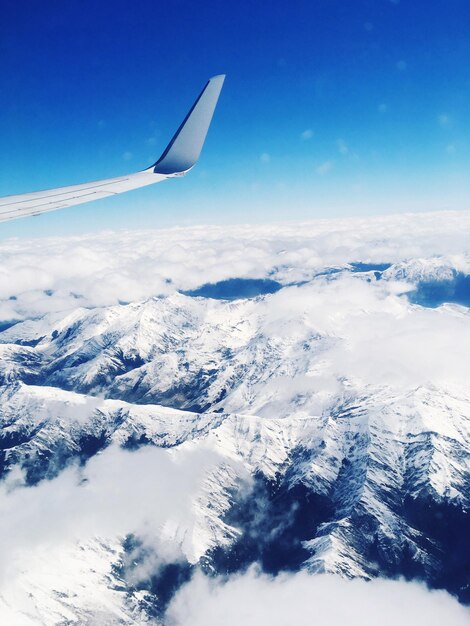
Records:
x=331, y=108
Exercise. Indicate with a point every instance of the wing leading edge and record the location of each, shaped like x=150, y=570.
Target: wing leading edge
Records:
x=178, y=158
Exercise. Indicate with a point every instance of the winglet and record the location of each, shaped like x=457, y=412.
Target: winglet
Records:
x=184, y=149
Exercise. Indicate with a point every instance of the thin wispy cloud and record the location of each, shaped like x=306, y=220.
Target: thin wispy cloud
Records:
x=324, y=168
x=307, y=134
x=444, y=120
x=342, y=146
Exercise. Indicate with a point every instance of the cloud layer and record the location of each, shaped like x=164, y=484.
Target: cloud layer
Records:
x=40, y=276
x=305, y=600
x=149, y=492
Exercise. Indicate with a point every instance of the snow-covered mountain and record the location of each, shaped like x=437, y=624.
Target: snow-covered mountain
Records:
x=323, y=427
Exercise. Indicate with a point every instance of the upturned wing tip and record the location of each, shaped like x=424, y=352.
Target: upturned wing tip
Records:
x=184, y=149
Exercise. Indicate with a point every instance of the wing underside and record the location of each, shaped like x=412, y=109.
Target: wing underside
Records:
x=178, y=158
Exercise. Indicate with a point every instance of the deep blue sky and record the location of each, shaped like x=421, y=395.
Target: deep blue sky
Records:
x=330, y=107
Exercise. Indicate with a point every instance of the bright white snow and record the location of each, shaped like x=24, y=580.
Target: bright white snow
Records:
x=340, y=365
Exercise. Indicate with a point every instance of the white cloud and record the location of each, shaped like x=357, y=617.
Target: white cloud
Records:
x=148, y=492
x=105, y=268
x=307, y=134
x=324, y=168
x=305, y=600
x=444, y=120
x=342, y=146
x=379, y=339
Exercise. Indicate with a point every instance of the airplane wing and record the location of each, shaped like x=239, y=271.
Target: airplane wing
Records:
x=179, y=157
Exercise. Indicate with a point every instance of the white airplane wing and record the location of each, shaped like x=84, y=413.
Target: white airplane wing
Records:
x=178, y=158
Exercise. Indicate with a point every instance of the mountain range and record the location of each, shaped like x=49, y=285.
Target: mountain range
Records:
x=325, y=423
